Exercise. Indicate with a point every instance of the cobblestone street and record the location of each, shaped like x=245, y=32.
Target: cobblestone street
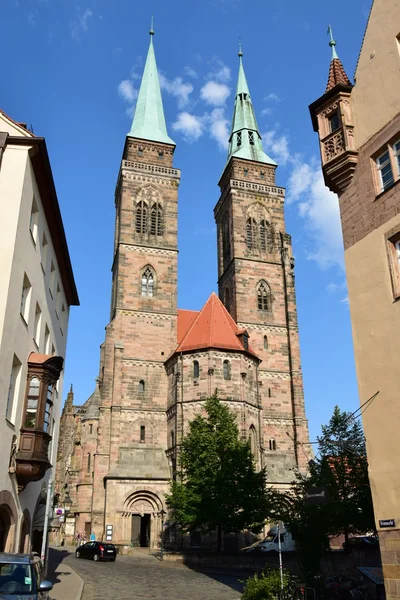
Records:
x=144, y=577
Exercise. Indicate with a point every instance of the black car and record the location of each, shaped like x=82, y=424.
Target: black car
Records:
x=97, y=551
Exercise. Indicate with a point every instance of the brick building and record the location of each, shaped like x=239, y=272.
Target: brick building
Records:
x=158, y=364
x=359, y=133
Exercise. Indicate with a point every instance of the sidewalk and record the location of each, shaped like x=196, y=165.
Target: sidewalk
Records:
x=67, y=584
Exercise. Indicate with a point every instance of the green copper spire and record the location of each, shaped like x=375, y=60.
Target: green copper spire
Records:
x=245, y=139
x=332, y=43
x=149, y=121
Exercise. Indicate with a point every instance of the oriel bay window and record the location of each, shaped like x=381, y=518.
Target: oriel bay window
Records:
x=32, y=456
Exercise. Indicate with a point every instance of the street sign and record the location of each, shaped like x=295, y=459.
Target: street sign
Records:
x=387, y=523
x=316, y=495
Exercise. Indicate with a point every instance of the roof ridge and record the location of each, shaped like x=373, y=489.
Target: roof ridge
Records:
x=23, y=129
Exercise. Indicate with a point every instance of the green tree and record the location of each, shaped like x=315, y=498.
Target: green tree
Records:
x=219, y=488
x=341, y=468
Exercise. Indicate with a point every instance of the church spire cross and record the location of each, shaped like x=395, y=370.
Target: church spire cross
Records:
x=149, y=120
x=245, y=140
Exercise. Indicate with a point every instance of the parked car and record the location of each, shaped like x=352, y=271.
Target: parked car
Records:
x=22, y=575
x=271, y=542
x=97, y=551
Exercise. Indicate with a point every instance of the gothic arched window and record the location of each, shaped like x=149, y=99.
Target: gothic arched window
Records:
x=226, y=369
x=148, y=283
x=251, y=232
x=263, y=296
x=141, y=386
x=196, y=369
x=263, y=235
x=141, y=217
x=272, y=444
x=253, y=440
x=172, y=439
x=156, y=220
x=226, y=243
x=265, y=342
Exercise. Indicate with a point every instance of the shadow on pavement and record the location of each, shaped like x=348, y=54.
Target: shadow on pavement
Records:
x=56, y=556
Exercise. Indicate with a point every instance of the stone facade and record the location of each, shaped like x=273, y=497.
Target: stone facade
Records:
x=153, y=379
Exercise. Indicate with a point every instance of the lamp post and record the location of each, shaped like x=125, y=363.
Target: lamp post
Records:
x=162, y=514
x=67, y=507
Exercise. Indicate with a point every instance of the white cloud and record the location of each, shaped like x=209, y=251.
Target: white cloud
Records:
x=219, y=127
x=277, y=145
x=190, y=126
x=220, y=72
x=80, y=24
x=273, y=97
x=319, y=208
x=178, y=88
x=214, y=93
x=190, y=72
x=266, y=111
x=127, y=91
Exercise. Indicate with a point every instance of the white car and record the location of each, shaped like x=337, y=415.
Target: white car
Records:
x=271, y=543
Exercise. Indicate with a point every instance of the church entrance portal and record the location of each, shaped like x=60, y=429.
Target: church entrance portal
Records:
x=141, y=530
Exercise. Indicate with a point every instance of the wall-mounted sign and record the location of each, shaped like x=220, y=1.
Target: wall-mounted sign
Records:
x=109, y=531
x=387, y=523
x=316, y=495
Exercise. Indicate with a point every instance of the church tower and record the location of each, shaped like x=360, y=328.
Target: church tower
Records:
x=256, y=284
x=130, y=468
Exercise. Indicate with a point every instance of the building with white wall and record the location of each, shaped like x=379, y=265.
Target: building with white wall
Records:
x=37, y=288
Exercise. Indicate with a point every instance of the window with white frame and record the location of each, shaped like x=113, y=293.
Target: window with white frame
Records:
x=385, y=171
x=26, y=298
x=388, y=166
x=34, y=220
x=46, y=339
x=13, y=388
x=396, y=153
x=44, y=252
x=52, y=279
x=63, y=318
x=58, y=301
x=38, y=322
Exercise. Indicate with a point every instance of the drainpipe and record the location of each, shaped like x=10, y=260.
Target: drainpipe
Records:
x=44, y=552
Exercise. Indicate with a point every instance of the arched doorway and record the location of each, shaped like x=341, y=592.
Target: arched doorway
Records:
x=24, y=536
x=8, y=517
x=143, y=508
x=5, y=526
x=38, y=522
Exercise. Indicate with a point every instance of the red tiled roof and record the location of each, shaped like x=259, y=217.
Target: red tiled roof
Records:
x=185, y=321
x=212, y=327
x=337, y=75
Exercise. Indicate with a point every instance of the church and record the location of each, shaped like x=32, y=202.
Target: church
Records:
x=119, y=451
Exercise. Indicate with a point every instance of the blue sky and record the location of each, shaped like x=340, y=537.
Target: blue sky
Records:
x=72, y=70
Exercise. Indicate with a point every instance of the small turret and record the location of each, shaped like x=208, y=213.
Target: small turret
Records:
x=332, y=119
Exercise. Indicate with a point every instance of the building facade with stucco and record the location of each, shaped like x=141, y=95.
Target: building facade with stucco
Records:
x=37, y=289
x=359, y=132
x=158, y=363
